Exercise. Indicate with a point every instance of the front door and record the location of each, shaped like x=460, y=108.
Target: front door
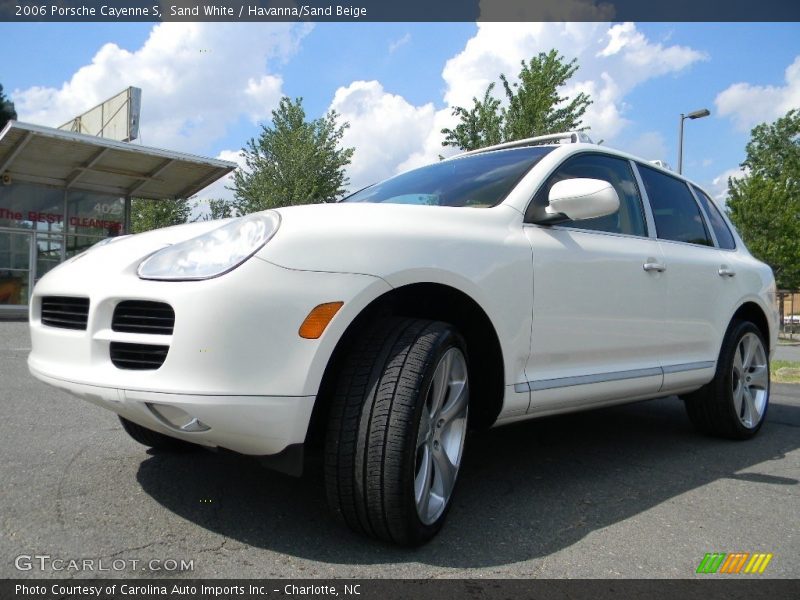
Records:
x=598, y=299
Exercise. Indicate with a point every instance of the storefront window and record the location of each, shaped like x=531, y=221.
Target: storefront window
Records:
x=32, y=207
x=78, y=243
x=91, y=214
x=48, y=253
x=15, y=252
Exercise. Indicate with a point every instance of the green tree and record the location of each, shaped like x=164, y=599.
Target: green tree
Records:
x=220, y=209
x=479, y=127
x=154, y=214
x=765, y=203
x=7, y=111
x=534, y=106
x=293, y=161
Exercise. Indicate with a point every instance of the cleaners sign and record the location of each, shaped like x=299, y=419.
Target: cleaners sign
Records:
x=55, y=218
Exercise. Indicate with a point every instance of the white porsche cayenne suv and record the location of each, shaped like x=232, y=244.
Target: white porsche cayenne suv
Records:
x=538, y=277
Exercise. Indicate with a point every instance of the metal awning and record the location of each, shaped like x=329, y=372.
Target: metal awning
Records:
x=65, y=159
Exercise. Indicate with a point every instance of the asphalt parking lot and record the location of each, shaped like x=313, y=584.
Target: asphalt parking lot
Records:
x=630, y=491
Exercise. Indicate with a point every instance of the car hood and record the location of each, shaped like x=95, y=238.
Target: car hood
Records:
x=371, y=238
x=342, y=237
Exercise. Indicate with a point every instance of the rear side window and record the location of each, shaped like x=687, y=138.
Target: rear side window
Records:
x=629, y=219
x=675, y=211
x=718, y=224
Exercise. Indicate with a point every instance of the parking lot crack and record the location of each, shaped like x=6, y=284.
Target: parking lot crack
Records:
x=214, y=549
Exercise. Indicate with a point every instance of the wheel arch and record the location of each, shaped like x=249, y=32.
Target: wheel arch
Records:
x=753, y=312
x=435, y=301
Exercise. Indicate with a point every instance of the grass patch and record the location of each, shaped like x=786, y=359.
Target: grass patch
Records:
x=784, y=371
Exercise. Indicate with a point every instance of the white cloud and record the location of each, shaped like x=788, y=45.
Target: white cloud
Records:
x=649, y=145
x=719, y=185
x=196, y=79
x=613, y=60
x=219, y=189
x=749, y=104
x=398, y=43
x=263, y=95
x=392, y=135
x=384, y=128
x=646, y=59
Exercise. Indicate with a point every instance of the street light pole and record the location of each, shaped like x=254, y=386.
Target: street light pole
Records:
x=680, y=144
x=697, y=114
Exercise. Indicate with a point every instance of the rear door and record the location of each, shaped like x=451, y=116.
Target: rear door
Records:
x=699, y=293
x=599, y=297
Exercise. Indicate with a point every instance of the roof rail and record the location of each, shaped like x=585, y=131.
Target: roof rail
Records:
x=661, y=163
x=571, y=137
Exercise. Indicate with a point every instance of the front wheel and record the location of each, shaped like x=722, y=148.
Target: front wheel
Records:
x=734, y=404
x=397, y=430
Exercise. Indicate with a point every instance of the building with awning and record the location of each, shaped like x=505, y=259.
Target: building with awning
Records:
x=61, y=192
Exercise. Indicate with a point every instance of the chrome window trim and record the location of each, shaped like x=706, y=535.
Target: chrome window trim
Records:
x=562, y=382
x=721, y=214
x=648, y=210
x=690, y=244
x=579, y=230
x=704, y=214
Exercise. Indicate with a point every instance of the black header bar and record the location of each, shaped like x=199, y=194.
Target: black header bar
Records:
x=399, y=10
x=710, y=588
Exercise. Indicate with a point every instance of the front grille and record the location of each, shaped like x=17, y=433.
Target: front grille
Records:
x=138, y=357
x=65, y=312
x=143, y=316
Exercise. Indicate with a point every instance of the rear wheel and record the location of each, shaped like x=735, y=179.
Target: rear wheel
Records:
x=153, y=439
x=397, y=430
x=734, y=404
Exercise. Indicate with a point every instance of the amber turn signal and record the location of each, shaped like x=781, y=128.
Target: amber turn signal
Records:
x=318, y=319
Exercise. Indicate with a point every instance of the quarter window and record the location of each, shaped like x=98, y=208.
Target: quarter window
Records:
x=675, y=211
x=718, y=224
x=629, y=219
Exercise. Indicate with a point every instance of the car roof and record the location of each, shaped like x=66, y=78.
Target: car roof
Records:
x=563, y=151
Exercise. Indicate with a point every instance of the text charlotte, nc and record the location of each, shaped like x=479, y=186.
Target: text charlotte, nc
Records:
x=157, y=11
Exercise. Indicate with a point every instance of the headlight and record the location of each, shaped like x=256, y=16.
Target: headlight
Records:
x=213, y=253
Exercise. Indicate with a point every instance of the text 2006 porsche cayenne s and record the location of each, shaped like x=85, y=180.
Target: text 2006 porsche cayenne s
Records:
x=526, y=279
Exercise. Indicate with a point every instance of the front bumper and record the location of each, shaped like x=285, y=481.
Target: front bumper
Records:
x=256, y=425
x=235, y=360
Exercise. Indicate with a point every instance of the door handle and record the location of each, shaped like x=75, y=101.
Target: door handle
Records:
x=652, y=265
x=724, y=271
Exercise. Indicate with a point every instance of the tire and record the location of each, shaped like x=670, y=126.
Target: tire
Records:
x=734, y=404
x=153, y=439
x=391, y=468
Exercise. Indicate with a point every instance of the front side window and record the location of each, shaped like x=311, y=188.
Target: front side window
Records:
x=676, y=214
x=718, y=224
x=629, y=219
x=480, y=180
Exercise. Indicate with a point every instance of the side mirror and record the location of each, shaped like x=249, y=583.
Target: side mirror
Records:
x=575, y=199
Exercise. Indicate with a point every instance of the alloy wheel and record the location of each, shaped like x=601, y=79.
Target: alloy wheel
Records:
x=441, y=436
x=750, y=380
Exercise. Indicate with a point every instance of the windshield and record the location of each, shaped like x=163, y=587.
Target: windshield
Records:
x=480, y=180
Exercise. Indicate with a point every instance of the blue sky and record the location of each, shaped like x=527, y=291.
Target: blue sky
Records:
x=206, y=86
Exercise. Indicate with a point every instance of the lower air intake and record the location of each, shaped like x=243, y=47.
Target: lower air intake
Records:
x=138, y=357
x=65, y=312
